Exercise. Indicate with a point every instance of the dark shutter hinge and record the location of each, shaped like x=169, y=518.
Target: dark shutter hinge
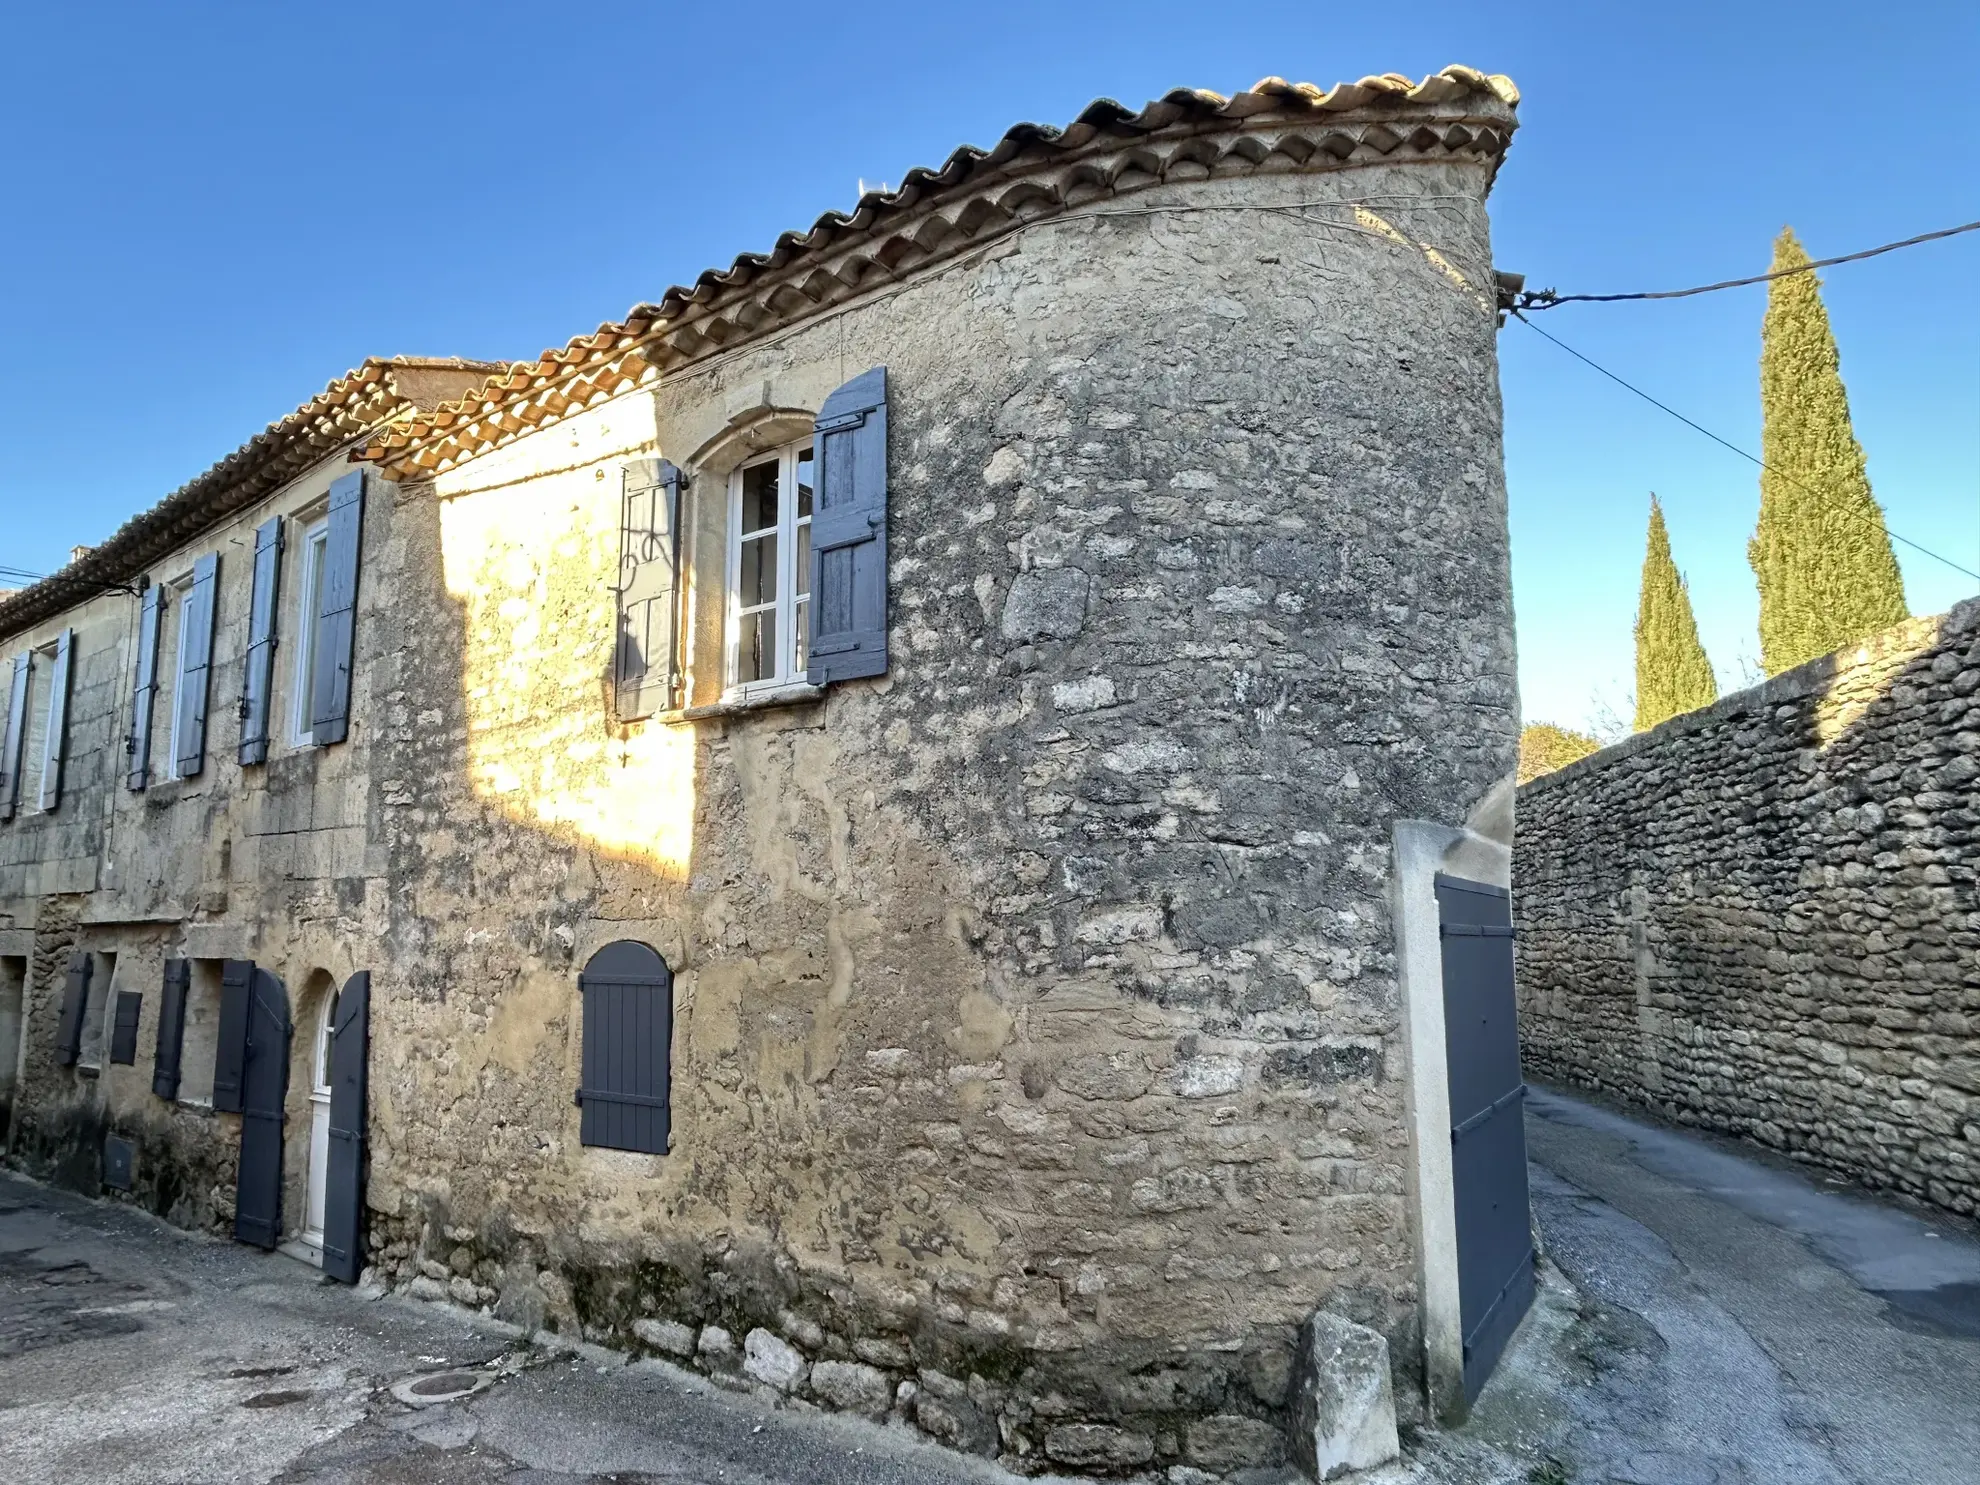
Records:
x=842, y=421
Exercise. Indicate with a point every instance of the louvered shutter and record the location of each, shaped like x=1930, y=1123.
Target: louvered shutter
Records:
x=16, y=739
x=75, y=1000
x=171, y=1028
x=195, y=667
x=150, y=611
x=627, y=1058
x=849, y=534
x=649, y=564
x=257, y=681
x=58, y=722
x=230, y=1053
x=336, y=617
x=124, y=1029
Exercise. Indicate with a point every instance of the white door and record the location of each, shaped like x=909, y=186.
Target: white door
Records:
x=319, y=1129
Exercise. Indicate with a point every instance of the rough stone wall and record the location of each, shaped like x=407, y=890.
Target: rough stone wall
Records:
x=1762, y=917
x=1037, y=1040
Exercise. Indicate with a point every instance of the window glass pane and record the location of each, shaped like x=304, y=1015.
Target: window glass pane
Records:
x=756, y=653
x=801, y=622
x=759, y=497
x=757, y=581
x=801, y=579
x=804, y=484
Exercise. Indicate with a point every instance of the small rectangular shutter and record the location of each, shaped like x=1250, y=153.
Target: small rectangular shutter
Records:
x=16, y=739
x=257, y=683
x=123, y=1031
x=336, y=619
x=75, y=1000
x=195, y=665
x=150, y=611
x=171, y=1028
x=649, y=510
x=849, y=534
x=58, y=722
x=230, y=1055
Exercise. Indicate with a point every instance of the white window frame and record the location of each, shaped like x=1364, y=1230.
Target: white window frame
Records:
x=788, y=675
x=178, y=589
x=311, y=551
x=42, y=666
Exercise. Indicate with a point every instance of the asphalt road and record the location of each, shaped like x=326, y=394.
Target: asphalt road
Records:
x=1744, y=1322
x=133, y=1355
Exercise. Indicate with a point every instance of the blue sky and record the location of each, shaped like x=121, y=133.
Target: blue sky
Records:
x=215, y=209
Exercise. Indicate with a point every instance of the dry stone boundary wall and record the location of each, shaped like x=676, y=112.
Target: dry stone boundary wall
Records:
x=1762, y=918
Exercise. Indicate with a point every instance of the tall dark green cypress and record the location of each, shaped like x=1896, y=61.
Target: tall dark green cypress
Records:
x=1673, y=675
x=1821, y=555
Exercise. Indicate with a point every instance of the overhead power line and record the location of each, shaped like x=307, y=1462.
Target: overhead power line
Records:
x=1547, y=298
x=1723, y=443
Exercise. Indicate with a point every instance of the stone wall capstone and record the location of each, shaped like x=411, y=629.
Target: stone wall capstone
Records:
x=1761, y=917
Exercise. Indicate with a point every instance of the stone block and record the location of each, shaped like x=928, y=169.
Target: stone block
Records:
x=772, y=1360
x=1343, y=1399
x=852, y=1387
x=1228, y=1441
x=716, y=1348
x=668, y=1337
x=1098, y=1446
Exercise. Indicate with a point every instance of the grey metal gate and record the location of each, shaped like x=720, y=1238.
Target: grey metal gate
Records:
x=1488, y=1135
x=264, y=1089
x=343, y=1182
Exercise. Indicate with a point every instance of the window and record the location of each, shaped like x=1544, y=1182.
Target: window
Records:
x=769, y=570
x=13, y=993
x=174, y=651
x=314, y=547
x=32, y=679
x=103, y=971
x=44, y=741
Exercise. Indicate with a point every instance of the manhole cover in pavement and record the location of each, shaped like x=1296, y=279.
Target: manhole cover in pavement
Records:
x=439, y=1387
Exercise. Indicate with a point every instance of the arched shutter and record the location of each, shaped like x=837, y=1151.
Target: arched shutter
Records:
x=649, y=556
x=150, y=611
x=75, y=1000
x=849, y=534
x=171, y=1028
x=195, y=666
x=257, y=684
x=336, y=617
x=627, y=1051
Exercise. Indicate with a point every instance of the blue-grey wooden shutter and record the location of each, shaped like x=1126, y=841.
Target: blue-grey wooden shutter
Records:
x=336, y=617
x=75, y=1000
x=124, y=1027
x=171, y=1028
x=257, y=682
x=230, y=1052
x=627, y=1049
x=58, y=722
x=150, y=611
x=195, y=666
x=16, y=739
x=343, y=1184
x=649, y=550
x=264, y=1093
x=849, y=534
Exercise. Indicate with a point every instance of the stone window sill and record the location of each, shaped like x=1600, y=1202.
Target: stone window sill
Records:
x=800, y=693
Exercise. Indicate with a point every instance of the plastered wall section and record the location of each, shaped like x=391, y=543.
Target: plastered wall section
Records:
x=268, y=862
x=1762, y=918
x=1038, y=999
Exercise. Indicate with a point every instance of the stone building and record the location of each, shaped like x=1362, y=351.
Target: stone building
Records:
x=924, y=934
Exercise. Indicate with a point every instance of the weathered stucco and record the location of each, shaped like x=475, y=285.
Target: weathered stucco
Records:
x=1038, y=1062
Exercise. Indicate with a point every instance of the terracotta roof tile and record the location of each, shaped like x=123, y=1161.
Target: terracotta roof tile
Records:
x=972, y=196
x=357, y=403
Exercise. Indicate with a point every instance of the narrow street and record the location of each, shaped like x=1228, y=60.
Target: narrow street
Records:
x=1710, y=1317
x=1743, y=1321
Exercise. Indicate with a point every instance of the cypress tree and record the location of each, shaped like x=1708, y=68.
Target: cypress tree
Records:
x=1673, y=675
x=1822, y=557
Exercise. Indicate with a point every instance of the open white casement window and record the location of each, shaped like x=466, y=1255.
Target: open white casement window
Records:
x=769, y=571
x=172, y=660
x=312, y=551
